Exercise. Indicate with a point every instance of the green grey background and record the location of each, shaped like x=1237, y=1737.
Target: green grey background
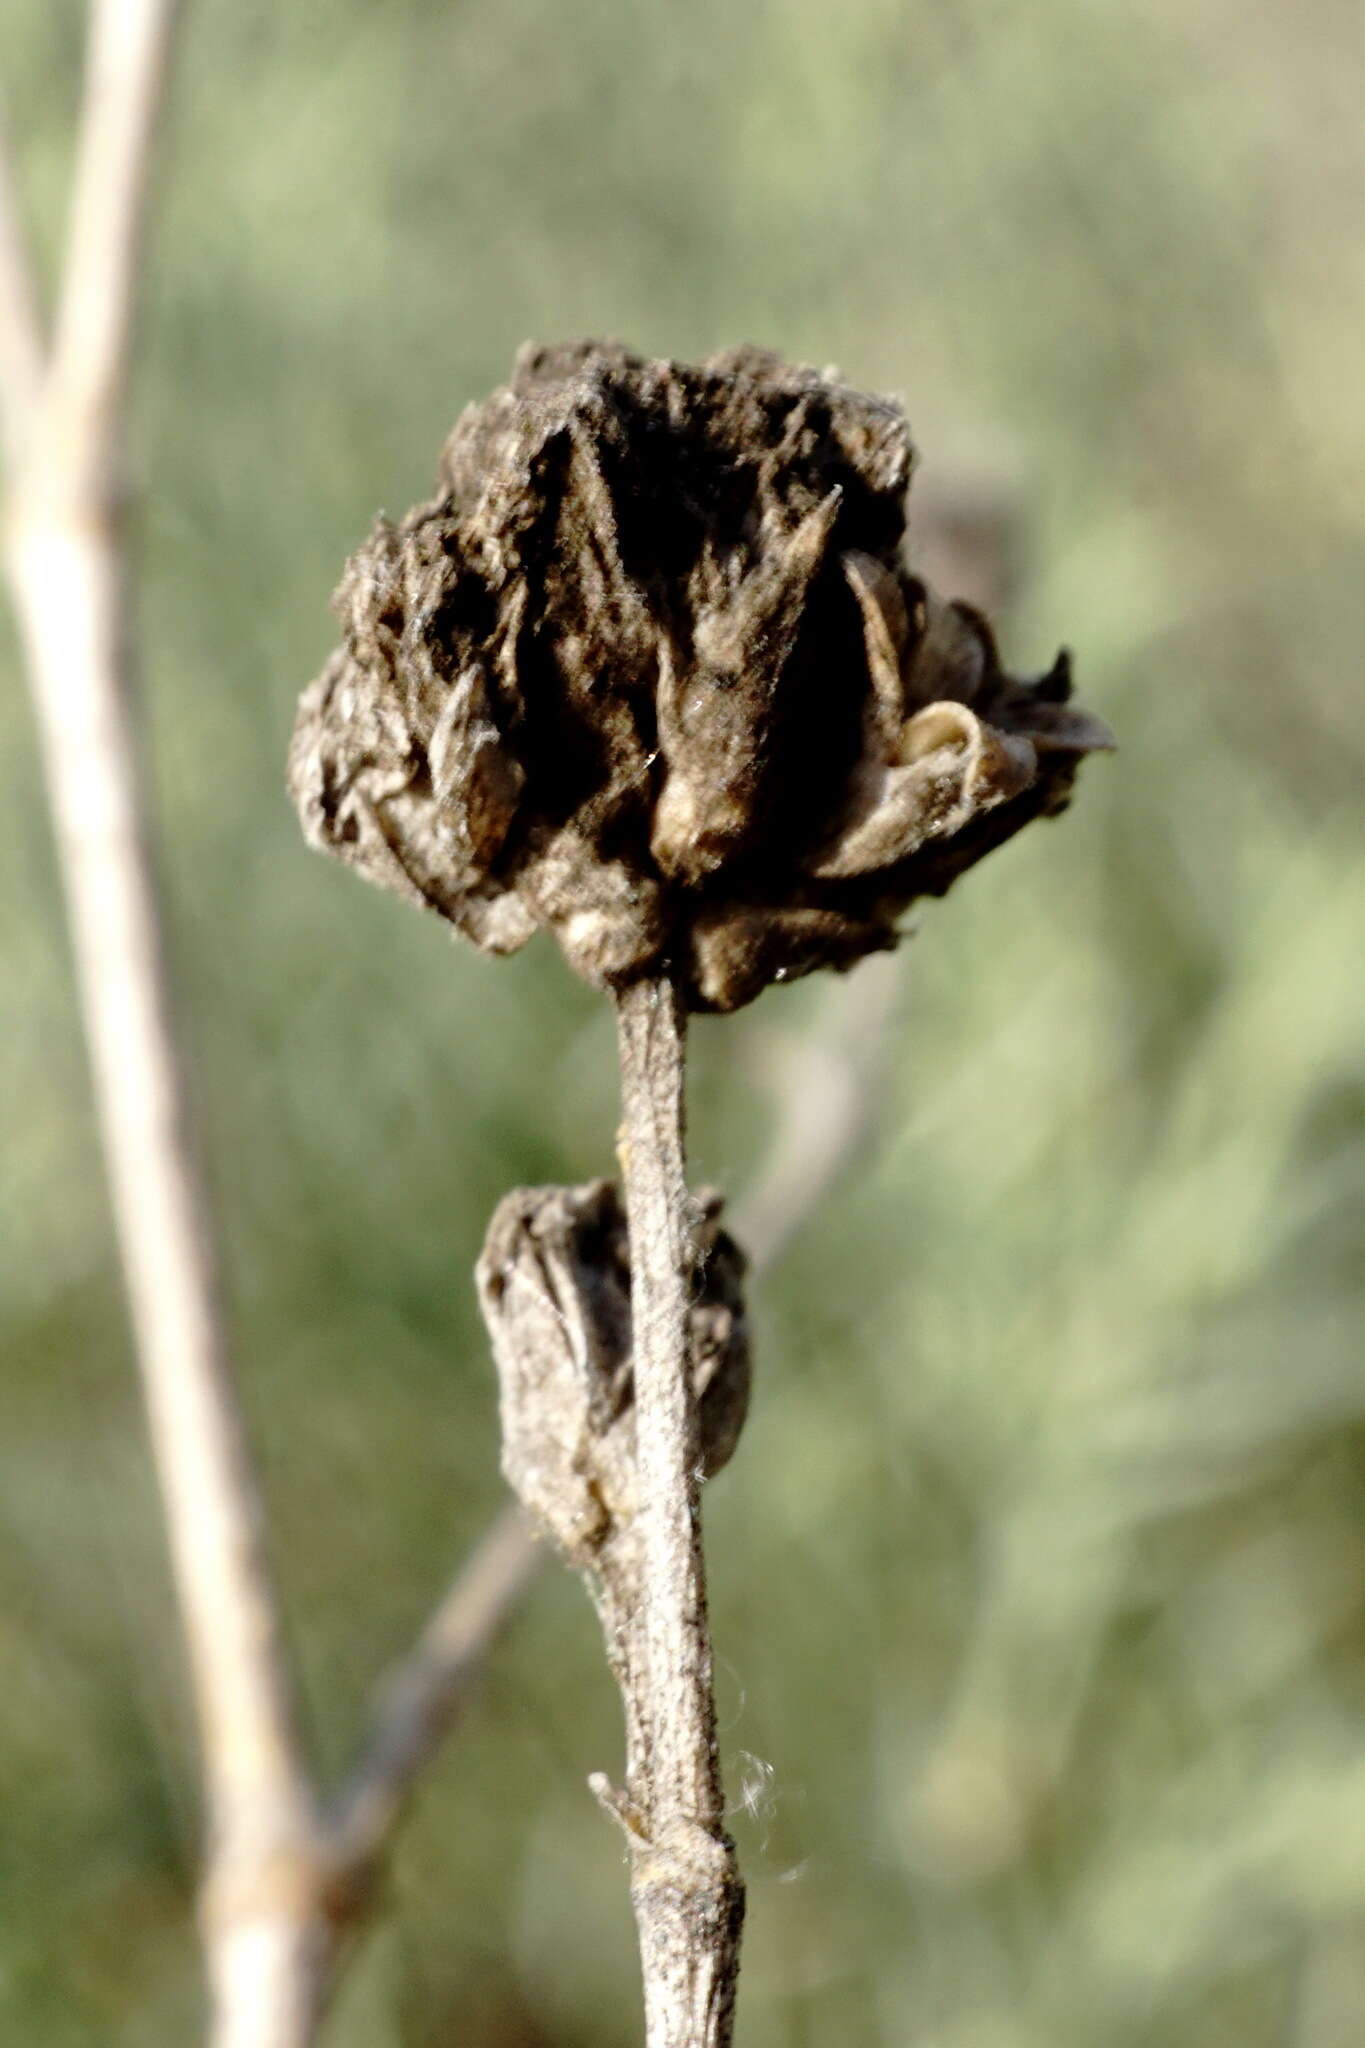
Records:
x=1039, y=1583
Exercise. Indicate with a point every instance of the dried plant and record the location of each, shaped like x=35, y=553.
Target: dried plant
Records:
x=651, y=672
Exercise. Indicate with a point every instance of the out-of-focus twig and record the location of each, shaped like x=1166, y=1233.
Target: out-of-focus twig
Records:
x=829, y=1086
x=126, y=61
x=265, y=1928
x=422, y=1694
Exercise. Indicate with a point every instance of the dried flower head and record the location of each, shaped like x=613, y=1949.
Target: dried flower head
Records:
x=650, y=671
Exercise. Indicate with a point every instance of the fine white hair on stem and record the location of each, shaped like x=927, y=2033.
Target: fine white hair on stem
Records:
x=757, y=1794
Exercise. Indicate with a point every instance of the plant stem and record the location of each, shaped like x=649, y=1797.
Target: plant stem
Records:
x=264, y=1917
x=688, y=1898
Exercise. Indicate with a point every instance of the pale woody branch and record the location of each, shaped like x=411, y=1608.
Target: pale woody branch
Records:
x=66, y=556
x=127, y=54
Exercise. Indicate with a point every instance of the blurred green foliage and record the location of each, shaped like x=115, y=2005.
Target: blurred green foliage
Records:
x=1040, y=1581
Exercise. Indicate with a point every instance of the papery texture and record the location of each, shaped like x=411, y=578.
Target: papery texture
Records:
x=651, y=672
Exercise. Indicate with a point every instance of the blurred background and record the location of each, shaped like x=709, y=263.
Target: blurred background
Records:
x=1039, y=1582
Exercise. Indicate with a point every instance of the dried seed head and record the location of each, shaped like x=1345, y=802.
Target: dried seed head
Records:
x=650, y=671
x=554, y=1286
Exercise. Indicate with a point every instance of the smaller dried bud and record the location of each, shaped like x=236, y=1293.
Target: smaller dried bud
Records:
x=650, y=671
x=554, y=1287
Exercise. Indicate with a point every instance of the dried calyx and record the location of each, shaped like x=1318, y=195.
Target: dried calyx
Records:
x=650, y=671
x=554, y=1286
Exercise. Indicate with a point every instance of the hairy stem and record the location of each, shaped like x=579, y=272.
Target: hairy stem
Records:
x=688, y=1899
